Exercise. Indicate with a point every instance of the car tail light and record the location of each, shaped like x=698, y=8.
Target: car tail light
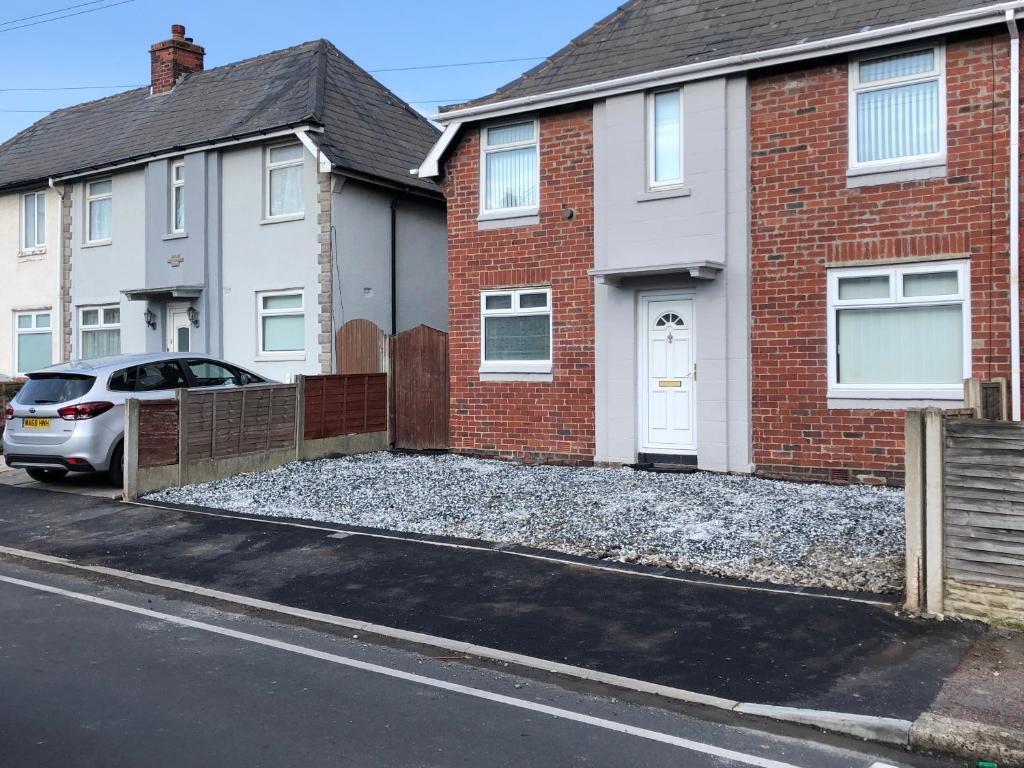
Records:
x=83, y=411
x=8, y=412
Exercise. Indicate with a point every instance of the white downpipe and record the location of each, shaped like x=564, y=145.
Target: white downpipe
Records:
x=57, y=315
x=1011, y=23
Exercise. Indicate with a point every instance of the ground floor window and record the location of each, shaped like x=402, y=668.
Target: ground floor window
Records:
x=900, y=330
x=33, y=341
x=516, y=328
x=281, y=322
x=100, y=331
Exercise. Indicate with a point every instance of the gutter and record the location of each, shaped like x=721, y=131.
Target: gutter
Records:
x=1015, y=395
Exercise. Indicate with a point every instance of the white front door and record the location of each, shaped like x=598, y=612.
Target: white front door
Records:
x=667, y=376
x=179, y=329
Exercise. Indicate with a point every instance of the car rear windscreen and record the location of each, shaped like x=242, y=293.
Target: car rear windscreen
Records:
x=47, y=389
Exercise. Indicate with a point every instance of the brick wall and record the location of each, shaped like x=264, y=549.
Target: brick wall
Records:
x=804, y=218
x=527, y=420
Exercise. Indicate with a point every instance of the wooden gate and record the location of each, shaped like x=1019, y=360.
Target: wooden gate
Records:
x=362, y=348
x=419, y=389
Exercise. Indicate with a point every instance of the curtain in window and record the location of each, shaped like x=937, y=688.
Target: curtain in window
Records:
x=896, y=122
x=286, y=190
x=512, y=178
x=901, y=345
x=900, y=65
x=30, y=222
x=33, y=351
x=517, y=338
x=510, y=134
x=99, y=219
x=40, y=220
x=101, y=343
x=284, y=333
x=667, y=151
x=179, y=208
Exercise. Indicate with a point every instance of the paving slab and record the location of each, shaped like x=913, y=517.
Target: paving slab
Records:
x=792, y=650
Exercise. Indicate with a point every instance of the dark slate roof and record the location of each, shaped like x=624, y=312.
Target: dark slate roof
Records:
x=647, y=35
x=367, y=129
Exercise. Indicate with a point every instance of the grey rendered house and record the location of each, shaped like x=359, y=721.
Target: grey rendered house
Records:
x=245, y=211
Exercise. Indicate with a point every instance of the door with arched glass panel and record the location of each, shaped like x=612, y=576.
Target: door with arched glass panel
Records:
x=667, y=376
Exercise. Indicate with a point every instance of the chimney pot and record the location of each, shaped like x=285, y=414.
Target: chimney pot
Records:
x=178, y=31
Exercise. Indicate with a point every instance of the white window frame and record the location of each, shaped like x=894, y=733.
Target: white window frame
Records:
x=486, y=149
x=35, y=329
x=100, y=326
x=39, y=246
x=652, y=184
x=855, y=87
x=261, y=353
x=89, y=200
x=177, y=188
x=896, y=273
x=269, y=166
x=516, y=366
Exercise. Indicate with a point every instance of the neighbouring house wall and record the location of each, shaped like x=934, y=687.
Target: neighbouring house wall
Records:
x=100, y=272
x=362, y=272
x=705, y=220
x=805, y=217
x=530, y=420
x=28, y=280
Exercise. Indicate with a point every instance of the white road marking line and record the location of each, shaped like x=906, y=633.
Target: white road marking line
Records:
x=565, y=714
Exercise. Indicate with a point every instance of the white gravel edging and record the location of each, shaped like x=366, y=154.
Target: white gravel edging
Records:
x=843, y=537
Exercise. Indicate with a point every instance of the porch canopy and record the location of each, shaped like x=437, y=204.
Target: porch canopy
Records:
x=698, y=270
x=167, y=293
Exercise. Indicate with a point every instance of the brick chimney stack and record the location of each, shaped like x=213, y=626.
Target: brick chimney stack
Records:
x=173, y=58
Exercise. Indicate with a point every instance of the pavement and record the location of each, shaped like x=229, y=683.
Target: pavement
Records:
x=99, y=672
x=87, y=484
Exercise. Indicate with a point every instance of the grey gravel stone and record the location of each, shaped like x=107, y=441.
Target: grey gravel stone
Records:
x=843, y=537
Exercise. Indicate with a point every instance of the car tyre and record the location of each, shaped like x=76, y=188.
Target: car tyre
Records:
x=116, y=471
x=46, y=475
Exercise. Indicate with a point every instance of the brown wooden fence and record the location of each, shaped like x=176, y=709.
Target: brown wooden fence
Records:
x=344, y=405
x=158, y=433
x=362, y=348
x=223, y=423
x=419, y=386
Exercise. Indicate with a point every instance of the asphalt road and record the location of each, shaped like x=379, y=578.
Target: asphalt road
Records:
x=96, y=673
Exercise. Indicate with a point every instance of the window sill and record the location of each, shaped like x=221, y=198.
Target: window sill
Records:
x=664, y=194
x=175, y=235
x=513, y=376
x=97, y=243
x=516, y=367
x=523, y=217
x=32, y=254
x=278, y=358
x=280, y=219
x=890, y=399
x=895, y=173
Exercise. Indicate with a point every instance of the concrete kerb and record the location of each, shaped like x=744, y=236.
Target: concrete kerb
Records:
x=936, y=733
x=880, y=729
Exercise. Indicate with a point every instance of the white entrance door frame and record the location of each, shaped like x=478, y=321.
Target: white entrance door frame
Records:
x=674, y=382
x=178, y=337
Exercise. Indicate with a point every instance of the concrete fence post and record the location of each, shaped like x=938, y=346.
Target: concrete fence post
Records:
x=915, y=510
x=300, y=417
x=131, y=449
x=934, y=503
x=182, y=395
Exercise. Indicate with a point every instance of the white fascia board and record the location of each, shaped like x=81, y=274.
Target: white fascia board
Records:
x=431, y=166
x=323, y=163
x=181, y=153
x=940, y=25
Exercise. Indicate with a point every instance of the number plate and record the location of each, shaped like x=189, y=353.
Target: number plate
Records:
x=36, y=423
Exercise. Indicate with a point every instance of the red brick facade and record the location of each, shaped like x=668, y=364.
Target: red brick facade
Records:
x=804, y=218
x=527, y=420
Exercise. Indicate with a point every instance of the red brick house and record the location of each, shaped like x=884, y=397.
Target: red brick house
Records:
x=742, y=236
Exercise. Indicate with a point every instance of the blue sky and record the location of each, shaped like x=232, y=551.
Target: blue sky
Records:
x=110, y=46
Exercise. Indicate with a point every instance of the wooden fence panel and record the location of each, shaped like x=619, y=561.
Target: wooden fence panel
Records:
x=345, y=405
x=223, y=423
x=158, y=433
x=361, y=348
x=419, y=380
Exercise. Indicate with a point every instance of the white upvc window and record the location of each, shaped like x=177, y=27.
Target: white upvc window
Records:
x=33, y=222
x=99, y=331
x=177, y=197
x=281, y=321
x=898, y=108
x=283, y=181
x=99, y=201
x=665, y=139
x=900, y=332
x=33, y=341
x=515, y=330
x=510, y=168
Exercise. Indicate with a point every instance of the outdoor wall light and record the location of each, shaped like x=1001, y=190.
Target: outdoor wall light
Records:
x=150, y=318
x=193, y=316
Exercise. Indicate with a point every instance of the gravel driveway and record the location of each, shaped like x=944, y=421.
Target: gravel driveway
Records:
x=845, y=537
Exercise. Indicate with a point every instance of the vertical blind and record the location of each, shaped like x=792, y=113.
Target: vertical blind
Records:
x=512, y=178
x=901, y=120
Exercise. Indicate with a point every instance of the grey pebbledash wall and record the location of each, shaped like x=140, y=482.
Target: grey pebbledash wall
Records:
x=706, y=220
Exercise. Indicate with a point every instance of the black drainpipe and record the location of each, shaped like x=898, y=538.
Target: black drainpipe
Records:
x=394, y=266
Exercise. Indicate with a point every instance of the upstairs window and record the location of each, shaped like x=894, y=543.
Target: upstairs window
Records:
x=516, y=330
x=33, y=221
x=178, y=197
x=98, y=209
x=510, y=168
x=900, y=330
x=665, y=139
x=897, y=107
x=284, y=181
